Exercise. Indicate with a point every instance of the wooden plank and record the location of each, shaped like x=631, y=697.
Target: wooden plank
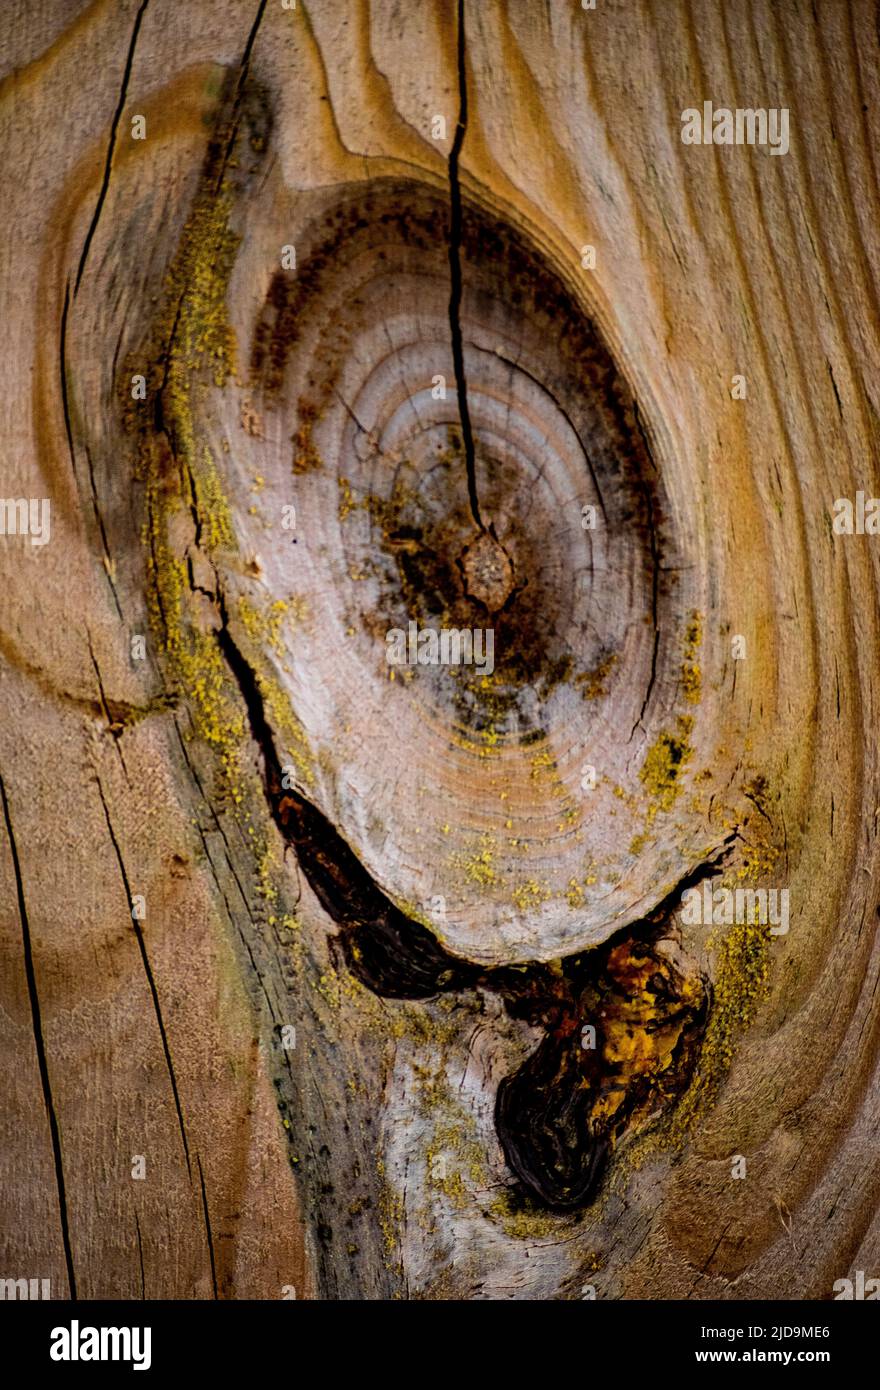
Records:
x=518, y=295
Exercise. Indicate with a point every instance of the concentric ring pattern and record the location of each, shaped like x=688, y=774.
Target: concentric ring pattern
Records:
x=504, y=800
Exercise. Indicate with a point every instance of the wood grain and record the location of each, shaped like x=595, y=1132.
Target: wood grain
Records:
x=411, y=873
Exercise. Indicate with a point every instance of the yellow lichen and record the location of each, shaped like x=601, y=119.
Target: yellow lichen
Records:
x=192, y=340
x=594, y=684
x=666, y=759
x=574, y=894
x=347, y=502
x=391, y=1216
x=478, y=865
x=192, y=346
x=691, y=675
x=265, y=625
x=455, y=1159
x=522, y=1221
x=213, y=509
x=741, y=982
x=530, y=894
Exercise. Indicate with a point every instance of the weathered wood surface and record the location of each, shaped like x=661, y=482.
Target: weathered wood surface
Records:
x=364, y=1161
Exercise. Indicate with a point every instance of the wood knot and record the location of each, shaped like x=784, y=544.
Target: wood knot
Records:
x=488, y=572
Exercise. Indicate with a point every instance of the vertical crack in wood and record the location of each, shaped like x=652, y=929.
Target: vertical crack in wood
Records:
x=456, y=215
x=40, y=1043
x=151, y=981
x=655, y=569
x=243, y=69
x=62, y=354
x=108, y=163
x=208, y=1232
x=68, y=426
x=140, y=1246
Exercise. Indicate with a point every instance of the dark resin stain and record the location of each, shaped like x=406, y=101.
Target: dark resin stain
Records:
x=559, y=1115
